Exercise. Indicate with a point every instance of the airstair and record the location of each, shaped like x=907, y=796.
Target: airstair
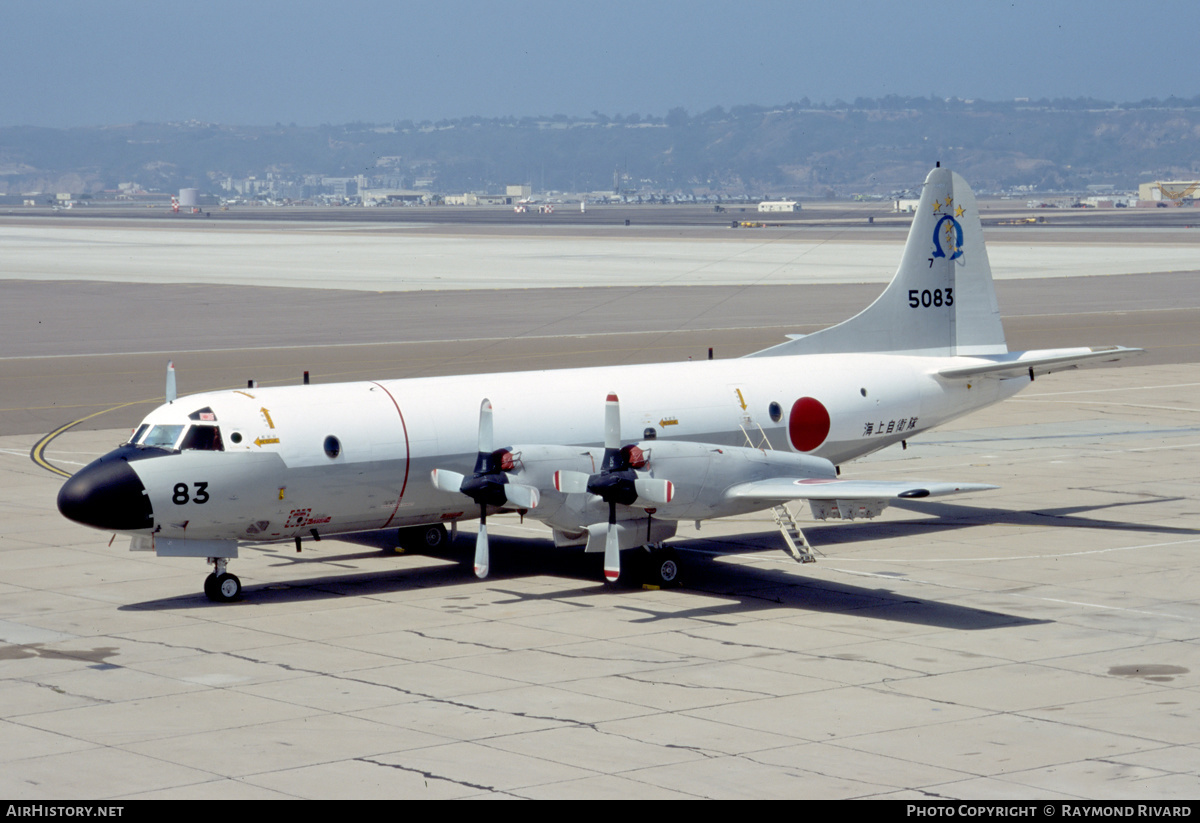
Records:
x=794, y=541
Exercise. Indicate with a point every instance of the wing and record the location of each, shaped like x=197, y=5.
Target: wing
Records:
x=844, y=499
x=788, y=488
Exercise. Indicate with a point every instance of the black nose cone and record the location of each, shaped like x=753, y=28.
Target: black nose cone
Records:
x=107, y=494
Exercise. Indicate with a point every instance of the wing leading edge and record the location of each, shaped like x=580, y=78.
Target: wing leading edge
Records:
x=788, y=488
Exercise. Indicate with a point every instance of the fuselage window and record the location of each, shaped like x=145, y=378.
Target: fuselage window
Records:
x=333, y=447
x=203, y=438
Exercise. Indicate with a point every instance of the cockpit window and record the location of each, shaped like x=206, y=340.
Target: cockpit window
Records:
x=202, y=438
x=140, y=431
x=163, y=437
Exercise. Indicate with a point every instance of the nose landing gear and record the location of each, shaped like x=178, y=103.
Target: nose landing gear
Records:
x=221, y=586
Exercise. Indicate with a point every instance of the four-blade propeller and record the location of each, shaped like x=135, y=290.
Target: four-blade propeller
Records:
x=618, y=483
x=489, y=485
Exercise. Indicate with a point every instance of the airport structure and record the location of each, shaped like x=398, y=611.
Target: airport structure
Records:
x=1176, y=191
x=772, y=206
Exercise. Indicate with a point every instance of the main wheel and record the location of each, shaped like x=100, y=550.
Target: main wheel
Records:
x=662, y=568
x=222, y=588
x=434, y=537
x=424, y=538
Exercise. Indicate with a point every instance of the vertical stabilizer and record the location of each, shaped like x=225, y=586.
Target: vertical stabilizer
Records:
x=941, y=301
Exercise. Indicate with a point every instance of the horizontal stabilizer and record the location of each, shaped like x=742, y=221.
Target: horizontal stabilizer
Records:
x=788, y=488
x=1018, y=364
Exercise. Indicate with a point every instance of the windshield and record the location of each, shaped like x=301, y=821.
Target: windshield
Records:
x=162, y=436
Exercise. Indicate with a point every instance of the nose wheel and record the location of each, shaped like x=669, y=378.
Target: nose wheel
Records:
x=221, y=586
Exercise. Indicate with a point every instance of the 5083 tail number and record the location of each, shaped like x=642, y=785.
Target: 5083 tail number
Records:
x=926, y=298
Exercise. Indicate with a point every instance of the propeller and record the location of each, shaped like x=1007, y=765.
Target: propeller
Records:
x=489, y=485
x=617, y=482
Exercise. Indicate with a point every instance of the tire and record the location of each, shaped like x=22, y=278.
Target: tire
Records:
x=662, y=568
x=434, y=537
x=224, y=588
x=429, y=538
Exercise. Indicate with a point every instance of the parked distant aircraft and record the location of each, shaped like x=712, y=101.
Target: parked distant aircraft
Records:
x=531, y=204
x=610, y=458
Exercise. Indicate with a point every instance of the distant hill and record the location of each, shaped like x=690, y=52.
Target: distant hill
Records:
x=797, y=149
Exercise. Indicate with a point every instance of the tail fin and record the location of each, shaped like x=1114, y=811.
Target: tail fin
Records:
x=941, y=301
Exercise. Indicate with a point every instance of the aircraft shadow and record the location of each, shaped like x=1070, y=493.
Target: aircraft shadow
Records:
x=742, y=588
x=945, y=516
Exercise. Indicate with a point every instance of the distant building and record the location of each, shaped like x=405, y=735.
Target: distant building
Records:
x=1175, y=190
x=778, y=206
x=341, y=186
x=376, y=197
x=472, y=199
x=1111, y=201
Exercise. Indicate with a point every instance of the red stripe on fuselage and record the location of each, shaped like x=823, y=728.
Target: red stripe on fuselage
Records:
x=407, y=455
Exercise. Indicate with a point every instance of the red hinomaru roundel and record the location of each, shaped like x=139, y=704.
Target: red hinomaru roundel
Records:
x=808, y=424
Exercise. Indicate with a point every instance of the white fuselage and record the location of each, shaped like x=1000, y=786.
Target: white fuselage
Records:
x=275, y=474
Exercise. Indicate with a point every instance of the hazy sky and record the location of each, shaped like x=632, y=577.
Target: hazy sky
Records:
x=76, y=63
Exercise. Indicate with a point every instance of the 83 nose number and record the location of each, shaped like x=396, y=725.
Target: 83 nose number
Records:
x=180, y=497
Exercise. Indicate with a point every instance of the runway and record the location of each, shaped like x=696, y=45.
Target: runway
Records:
x=1039, y=641
x=382, y=257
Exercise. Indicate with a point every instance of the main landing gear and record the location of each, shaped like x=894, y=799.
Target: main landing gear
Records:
x=221, y=586
x=659, y=566
x=429, y=538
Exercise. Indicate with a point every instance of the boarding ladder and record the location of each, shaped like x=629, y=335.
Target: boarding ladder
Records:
x=794, y=541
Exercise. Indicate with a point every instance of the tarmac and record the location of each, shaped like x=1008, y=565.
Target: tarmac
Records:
x=1037, y=641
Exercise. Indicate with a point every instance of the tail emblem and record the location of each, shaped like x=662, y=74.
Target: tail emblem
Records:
x=952, y=234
